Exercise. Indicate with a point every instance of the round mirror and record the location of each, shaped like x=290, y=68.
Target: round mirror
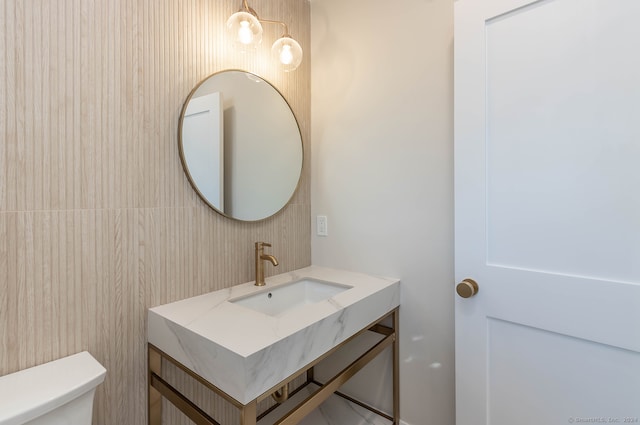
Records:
x=240, y=145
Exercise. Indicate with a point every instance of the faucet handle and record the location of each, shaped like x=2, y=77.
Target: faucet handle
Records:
x=259, y=244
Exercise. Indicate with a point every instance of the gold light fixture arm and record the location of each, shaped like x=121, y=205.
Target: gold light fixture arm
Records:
x=269, y=21
x=246, y=8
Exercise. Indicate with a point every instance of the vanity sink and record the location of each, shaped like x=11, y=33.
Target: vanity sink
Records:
x=246, y=339
x=283, y=299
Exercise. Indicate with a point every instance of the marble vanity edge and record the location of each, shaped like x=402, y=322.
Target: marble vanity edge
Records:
x=198, y=354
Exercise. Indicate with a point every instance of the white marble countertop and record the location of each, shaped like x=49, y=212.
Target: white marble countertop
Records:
x=244, y=352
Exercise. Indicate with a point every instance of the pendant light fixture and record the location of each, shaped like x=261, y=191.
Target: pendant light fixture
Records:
x=287, y=52
x=245, y=29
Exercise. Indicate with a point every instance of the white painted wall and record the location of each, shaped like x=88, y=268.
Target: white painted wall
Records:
x=382, y=171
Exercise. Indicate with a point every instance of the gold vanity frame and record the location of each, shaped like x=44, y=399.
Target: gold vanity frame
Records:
x=159, y=388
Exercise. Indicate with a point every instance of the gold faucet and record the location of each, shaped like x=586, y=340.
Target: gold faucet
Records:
x=260, y=257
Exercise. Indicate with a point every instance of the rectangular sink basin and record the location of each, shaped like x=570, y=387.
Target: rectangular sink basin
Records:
x=280, y=300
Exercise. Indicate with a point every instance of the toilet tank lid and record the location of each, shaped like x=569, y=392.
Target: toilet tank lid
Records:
x=32, y=392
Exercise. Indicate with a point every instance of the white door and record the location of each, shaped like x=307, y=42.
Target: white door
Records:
x=547, y=151
x=203, y=146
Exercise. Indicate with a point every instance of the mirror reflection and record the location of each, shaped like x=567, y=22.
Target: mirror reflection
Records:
x=240, y=145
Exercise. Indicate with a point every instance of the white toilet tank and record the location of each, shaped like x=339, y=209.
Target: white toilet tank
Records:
x=55, y=393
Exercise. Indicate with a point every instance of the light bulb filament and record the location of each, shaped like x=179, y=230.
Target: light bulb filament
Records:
x=245, y=35
x=286, y=55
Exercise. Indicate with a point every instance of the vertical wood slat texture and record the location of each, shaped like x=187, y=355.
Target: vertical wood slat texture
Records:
x=97, y=220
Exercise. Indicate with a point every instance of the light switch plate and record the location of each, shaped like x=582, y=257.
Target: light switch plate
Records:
x=321, y=225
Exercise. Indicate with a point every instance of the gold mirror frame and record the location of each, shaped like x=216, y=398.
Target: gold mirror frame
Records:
x=259, y=184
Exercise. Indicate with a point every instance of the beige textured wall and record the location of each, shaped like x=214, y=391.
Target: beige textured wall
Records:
x=97, y=219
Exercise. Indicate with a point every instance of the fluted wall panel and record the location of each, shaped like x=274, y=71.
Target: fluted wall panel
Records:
x=97, y=219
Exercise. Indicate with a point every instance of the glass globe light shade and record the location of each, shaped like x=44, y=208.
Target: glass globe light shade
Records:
x=287, y=52
x=245, y=29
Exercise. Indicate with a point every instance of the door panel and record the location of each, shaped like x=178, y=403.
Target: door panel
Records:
x=562, y=139
x=524, y=357
x=547, y=99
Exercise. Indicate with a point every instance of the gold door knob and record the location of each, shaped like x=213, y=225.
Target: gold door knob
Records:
x=467, y=288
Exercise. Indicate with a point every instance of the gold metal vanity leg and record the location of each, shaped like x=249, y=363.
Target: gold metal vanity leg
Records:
x=154, y=396
x=396, y=368
x=248, y=413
